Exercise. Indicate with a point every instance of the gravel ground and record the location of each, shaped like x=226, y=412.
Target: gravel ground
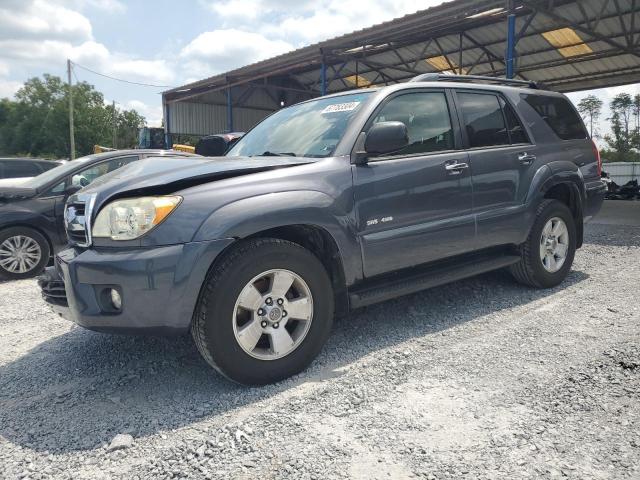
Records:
x=478, y=379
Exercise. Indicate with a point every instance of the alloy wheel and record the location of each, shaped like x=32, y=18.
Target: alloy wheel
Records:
x=19, y=254
x=554, y=244
x=272, y=314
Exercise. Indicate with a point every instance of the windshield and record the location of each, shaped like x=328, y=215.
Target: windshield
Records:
x=310, y=129
x=56, y=173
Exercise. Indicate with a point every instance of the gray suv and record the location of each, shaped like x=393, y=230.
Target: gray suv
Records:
x=326, y=206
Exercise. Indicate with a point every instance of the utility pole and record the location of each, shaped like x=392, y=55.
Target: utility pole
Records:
x=72, y=141
x=114, y=125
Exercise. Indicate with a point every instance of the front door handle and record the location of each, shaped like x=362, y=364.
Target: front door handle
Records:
x=526, y=158
x=455, y=167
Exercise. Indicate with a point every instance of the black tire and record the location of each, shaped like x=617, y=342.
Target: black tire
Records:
x=530, y=269
x=212, y=325
x=35, y=236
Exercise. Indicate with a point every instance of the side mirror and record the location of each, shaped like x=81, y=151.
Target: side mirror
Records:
x=71, y=189
x=386, y=137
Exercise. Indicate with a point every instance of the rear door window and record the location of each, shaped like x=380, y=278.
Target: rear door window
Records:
x=483, y=120
x=559, y=114
x=517, y=134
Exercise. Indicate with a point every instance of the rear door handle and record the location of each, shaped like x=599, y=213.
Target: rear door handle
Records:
x=526, y=158
x=455, y=167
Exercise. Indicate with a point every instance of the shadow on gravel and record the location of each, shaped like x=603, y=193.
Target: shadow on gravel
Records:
x=77, y=390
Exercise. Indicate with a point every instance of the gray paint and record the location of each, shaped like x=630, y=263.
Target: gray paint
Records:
x=433, y=215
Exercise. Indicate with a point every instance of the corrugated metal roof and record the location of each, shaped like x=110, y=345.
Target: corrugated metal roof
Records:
x=567, y=44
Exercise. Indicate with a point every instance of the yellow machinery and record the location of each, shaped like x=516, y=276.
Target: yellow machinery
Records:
x=101, y=149
x=183, y=148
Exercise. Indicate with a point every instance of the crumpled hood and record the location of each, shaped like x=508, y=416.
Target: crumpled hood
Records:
x=169, y=174
x=12, y=182
x=13, y=190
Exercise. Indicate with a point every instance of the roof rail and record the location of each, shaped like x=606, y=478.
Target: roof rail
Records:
x=443, y=77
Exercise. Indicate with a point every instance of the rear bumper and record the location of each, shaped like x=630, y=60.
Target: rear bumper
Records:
x=596, y=191
x=159, y=286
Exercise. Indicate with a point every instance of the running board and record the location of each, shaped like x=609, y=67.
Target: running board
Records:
x=398, y=285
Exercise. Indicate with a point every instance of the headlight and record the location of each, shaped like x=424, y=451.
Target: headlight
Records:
x=131, y=218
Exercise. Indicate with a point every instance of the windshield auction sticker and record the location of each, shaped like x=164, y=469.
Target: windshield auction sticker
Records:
x=340, y=107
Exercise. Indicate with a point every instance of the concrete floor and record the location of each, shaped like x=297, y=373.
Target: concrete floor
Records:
x=619, y=212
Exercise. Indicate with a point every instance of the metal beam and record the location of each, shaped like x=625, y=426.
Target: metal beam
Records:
x=576, y=26
x=323, y=78
x=229, y=110
x=435, y=40
x=511, y=45
x=244, y=96
x=524, y=27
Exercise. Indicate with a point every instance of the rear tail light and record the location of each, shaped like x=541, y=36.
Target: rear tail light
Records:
x=596, y=152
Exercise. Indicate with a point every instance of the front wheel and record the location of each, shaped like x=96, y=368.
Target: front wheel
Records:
x=24, y=252
x=265, y=312
x=547, y=254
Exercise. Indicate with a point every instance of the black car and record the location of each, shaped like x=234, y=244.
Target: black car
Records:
x=326, y=206
x=25, y=167
x=31, y=211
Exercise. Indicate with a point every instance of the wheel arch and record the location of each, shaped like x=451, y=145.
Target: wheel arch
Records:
x=318, y=241
x=561, y=181
x=290, y=215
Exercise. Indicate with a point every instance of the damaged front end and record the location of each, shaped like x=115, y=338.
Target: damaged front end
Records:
x=53, y=291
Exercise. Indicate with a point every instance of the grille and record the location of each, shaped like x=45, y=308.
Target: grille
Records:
x=76, y=220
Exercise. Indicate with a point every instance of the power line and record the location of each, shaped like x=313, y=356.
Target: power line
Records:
x=121, y=79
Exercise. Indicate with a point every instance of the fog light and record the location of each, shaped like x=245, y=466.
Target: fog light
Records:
x=116, y=299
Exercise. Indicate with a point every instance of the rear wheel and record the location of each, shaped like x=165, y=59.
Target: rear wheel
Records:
x=265, y=312
x=24, y=252
x=547, y=255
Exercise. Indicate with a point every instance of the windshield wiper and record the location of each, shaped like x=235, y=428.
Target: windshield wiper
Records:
x=276, y=154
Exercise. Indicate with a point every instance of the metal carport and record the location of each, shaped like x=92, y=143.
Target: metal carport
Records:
x=568, y=45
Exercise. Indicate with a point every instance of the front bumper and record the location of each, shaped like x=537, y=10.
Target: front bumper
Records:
x=159, y=286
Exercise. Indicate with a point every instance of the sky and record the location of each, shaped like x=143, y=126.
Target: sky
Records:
x=170, y=43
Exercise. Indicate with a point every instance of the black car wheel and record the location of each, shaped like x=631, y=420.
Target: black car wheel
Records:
x=24, y=252
x=265, y=312
x=547, y=255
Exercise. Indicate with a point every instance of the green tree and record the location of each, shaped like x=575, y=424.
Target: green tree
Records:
x=37, y=121
x=636, y=115
x=622, y=107
x=590, y=108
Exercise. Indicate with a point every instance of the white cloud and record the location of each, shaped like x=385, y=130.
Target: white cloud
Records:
x=52, y=54
x=111, y=6
x=303, y=21
x=8, y=88
x=108, y=6
x=237, y=10
x=149, y=71
x=234, y=11
x=40, y=19
x=221, y=50
x=152, y=113
x=335, y=17
x=4, y=69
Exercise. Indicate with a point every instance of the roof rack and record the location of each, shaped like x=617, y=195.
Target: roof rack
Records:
x=443, y=77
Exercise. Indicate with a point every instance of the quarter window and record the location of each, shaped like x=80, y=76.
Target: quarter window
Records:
x=558, y=113
x=426, y=116
x=483, y=119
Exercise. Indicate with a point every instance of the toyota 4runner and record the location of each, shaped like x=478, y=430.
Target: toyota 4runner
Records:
x=326, y=206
